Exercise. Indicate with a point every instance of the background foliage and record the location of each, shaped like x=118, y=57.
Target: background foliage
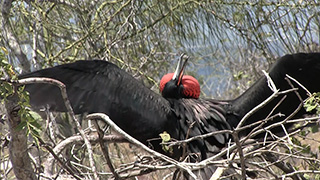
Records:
x=229, y=42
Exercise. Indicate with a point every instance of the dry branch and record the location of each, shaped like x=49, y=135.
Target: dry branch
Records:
x=107, y=120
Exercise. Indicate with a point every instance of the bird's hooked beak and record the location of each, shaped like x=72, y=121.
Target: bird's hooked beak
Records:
x=178, y=73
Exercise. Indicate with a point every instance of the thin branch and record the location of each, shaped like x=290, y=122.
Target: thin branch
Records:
x=73, y=140
x=105, y=150
x=203, y=136
x=304, y=88
x=56, y=157
x=235, y=136
x=107, y=120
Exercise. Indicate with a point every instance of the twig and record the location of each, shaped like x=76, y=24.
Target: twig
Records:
x=107, y=120
x=235, y=136
x=203, y=136
x=74, y=140
x=304, y=88
x=265, y=102
x=105, y=150
x=56, y=157
x=287, y=168
x=217, y=174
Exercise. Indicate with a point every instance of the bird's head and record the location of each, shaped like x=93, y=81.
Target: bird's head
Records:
x=176, y=85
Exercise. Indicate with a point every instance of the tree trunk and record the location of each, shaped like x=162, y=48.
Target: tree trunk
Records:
x=18, y=147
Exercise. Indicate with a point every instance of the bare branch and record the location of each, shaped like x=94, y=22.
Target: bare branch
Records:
x=106, y=119
x=105, y=150
x=73, y=140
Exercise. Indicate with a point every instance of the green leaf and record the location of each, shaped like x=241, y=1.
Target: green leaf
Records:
x=311, y=107
x=35, y=116
x=165, y=136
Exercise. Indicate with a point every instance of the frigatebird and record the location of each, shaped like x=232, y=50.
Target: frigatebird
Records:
x=100, y=86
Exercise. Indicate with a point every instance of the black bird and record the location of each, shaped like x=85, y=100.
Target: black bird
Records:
x=100, y=86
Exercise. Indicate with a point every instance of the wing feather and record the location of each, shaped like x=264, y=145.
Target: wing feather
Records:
x=100, y=86
x=198, y=117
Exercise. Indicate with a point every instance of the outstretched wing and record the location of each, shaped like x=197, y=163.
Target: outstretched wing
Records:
x=100, y=86
x=304, y=67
